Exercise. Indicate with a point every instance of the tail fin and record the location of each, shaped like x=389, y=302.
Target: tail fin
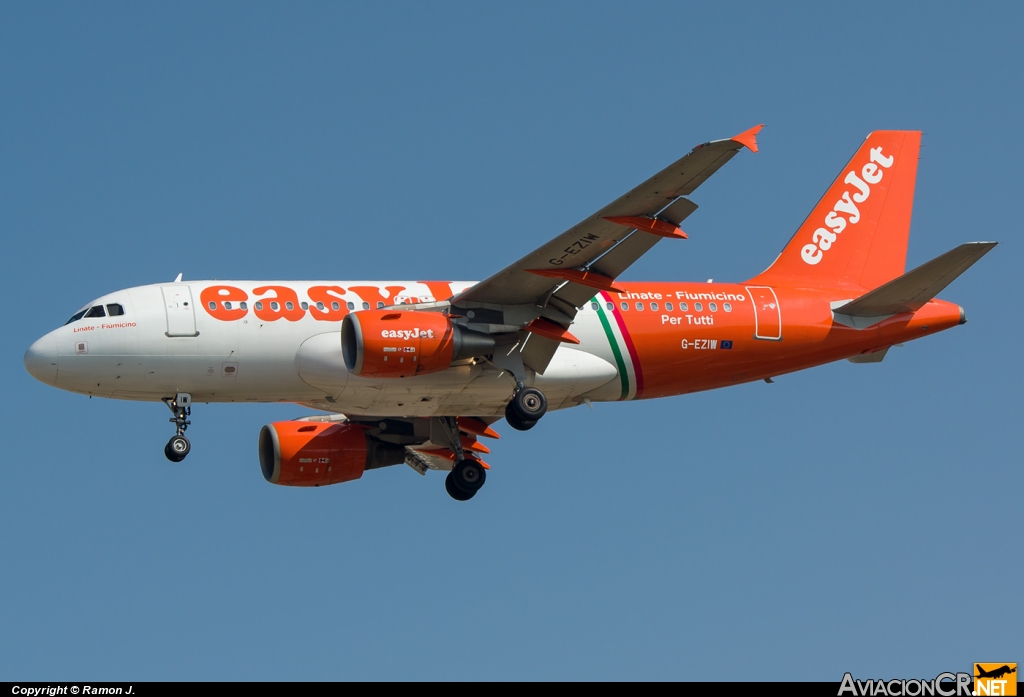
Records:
x=856, y=236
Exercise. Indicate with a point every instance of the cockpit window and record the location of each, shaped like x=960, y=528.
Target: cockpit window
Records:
x=77, y=316
x=95, y=311
x=116, y=310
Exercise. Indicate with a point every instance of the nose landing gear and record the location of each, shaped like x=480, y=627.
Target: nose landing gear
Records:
x=178, y=446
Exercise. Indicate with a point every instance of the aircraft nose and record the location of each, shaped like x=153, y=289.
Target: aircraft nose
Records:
x=41, y=360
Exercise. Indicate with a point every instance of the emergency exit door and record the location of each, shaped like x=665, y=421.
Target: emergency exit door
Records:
x=767, y=313
x=181, y=316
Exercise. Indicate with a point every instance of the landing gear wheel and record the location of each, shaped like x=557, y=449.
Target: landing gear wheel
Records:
x=181, y=406
x=454, y=491
x=515, y=422
x=529, y=404
x=177, y=448
x=469, y=476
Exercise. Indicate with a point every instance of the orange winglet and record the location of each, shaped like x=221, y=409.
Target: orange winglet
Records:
x=472, y=444
x=547, y=328
x=653, y=225
x=477, y=427
x=584, y=278
x=749, y=138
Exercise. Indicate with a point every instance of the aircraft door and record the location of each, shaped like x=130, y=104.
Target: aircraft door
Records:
x=767, y=313
x=181, y=316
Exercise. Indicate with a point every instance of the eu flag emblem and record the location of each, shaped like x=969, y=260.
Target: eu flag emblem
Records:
x=726, y=344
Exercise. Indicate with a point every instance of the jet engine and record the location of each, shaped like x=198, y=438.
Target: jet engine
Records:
x=315, y=453
x=400, y=344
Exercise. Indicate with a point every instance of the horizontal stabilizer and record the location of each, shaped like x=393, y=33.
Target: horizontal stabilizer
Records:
x=912, y=290
x=873, y=357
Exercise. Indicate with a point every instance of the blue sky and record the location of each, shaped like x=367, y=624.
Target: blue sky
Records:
x=859, y=518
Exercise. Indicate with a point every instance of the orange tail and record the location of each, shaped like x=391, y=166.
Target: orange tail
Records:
x=856, y=236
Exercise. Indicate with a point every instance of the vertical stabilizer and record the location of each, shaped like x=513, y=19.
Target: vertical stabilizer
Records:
x=856, y=236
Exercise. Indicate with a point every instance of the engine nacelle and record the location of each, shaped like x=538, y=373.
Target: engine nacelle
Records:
x=316, y=453
x=400, y=344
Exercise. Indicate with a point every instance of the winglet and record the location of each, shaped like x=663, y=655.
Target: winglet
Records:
x=749, y=138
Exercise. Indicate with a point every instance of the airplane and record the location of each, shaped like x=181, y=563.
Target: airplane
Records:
x=995, y=673
x=417, y=372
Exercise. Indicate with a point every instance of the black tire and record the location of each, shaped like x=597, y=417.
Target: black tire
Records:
x=454, y=491
x=529, y=404
x=169, y=454
x=468, y=475
x=515, y=422
x=179, y=446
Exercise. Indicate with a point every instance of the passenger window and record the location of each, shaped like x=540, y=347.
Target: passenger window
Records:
x=304, y=305
x=683, y=307
x=115, y=310
x=611, y=306
x=96, y=311
x=379, y=304
x=77, y=316
x=594, y=306
x=351, y=306
x=624, y=306
x=244, y=305
x=335, y=306
x=668, y=307
x=713, y=307
x=274, y=305
x=366, y=306
x=639, y=306
x=289, y=306
x=727, y=307
x=320, y=306
x=227, y=304
x=697, y=307
x=212, y=305
x=654, y=307
x=259, y=304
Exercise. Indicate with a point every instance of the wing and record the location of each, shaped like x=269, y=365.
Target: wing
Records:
x=553, y=282
x=428, y=445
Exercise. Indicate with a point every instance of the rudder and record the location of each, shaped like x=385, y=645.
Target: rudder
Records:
x=857, y=234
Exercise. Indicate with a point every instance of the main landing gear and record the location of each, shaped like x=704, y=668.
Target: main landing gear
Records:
x=528, y=404
x=465, y=479
x=181, y=406
x=468, y=474
x=525, y=409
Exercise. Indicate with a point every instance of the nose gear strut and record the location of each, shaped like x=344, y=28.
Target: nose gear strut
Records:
x=181, y=406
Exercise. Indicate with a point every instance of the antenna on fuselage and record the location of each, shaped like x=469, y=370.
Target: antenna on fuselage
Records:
x=178, y=278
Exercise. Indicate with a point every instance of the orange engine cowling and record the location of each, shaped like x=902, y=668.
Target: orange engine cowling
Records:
x=316, y=453
x=402, y=343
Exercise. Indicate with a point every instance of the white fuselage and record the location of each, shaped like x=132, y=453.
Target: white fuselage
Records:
x=167, y=341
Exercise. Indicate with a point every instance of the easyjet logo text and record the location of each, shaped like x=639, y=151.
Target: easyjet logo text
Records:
x=323, y=303
x=846, y=211
x=407, y=334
